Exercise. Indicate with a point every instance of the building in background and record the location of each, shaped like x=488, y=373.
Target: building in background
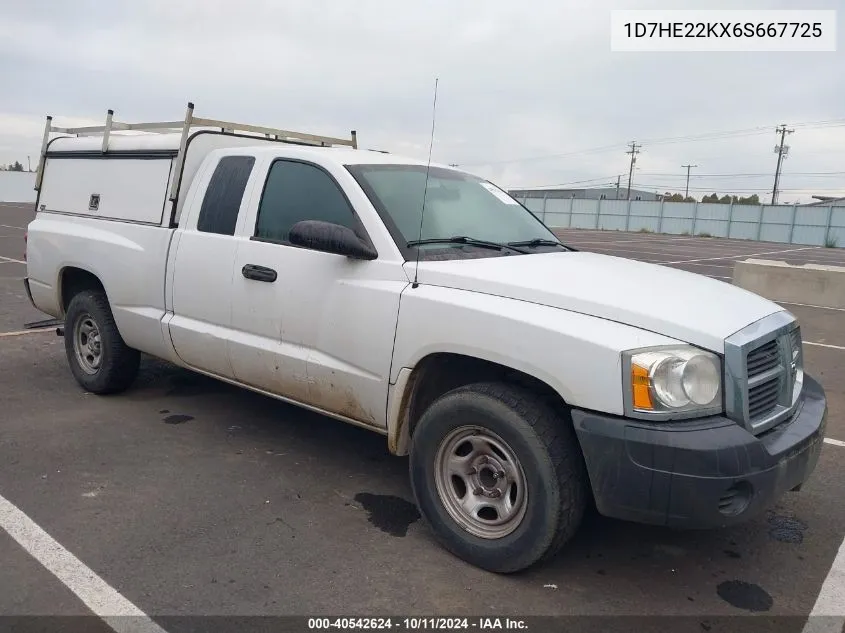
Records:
x=826, y=201
x=592, y=193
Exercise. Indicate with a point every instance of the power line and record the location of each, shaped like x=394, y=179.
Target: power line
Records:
x=708, y=136
x=713, y=136
x=603, y=179
x=821, y=124
x=667, y=187
x=742, y=174
x=781, y=150
x=594, y=150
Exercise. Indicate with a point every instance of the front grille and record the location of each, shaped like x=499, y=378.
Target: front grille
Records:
x=795, y=347
x=763, y=398
x=763, y=359
x=765, y=369
x=763, y=375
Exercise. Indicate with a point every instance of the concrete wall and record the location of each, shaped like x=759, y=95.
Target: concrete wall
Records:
x=17, y=186
x=789, y=224
x=810, y=284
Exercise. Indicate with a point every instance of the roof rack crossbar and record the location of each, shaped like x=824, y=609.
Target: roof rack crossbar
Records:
x=117, y=125
x=184, y=127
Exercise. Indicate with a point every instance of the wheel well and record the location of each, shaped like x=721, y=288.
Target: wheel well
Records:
x=74, y=281
x=439, y=373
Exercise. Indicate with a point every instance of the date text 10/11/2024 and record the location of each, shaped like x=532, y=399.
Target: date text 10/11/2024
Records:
x=418, y=624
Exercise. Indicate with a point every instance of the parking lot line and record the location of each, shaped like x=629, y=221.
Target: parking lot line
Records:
x=24, y=332
x=661, y=253
x=824, y=345
x=10, y=259
x=827, y=613
x=105, y=601
x=705, y=259
x=830, y=440
x=7, y=226
x=807, y=305
x=708, y=265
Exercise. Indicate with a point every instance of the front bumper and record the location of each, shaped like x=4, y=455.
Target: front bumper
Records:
x=698, y=474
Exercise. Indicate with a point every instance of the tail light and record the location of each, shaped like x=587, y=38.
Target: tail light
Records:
x=25, y=234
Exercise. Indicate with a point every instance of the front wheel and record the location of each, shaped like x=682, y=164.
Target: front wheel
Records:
x=99, y=359
x=498, y=475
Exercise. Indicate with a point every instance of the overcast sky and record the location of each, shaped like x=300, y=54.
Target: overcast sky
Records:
x=518, y=81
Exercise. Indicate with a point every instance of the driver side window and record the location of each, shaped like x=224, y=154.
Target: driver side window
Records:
x=297, y=191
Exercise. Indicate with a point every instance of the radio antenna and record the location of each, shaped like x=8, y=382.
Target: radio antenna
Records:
x=425, y=188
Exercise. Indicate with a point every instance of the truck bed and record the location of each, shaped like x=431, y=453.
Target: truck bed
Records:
x=129, y=257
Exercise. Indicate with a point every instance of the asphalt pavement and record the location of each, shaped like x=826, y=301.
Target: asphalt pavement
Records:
x=189, y=497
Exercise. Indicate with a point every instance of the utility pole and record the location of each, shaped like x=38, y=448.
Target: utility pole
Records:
x=635, y=149
x=686, y=193
x=618, y=178
x=782, y=151
x=28, y=164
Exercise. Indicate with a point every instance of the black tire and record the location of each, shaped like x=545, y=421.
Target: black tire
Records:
x=547, y=449
x=118, y=364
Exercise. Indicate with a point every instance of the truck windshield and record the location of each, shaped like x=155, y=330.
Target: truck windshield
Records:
x=456, y=204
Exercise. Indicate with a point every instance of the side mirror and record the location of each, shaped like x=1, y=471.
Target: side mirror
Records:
x=330, y=238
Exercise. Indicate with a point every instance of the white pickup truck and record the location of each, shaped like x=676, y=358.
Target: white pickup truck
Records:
x=527, y=380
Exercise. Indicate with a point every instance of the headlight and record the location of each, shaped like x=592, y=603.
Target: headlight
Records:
x=672, y=382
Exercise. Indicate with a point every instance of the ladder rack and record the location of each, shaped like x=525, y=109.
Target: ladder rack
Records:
x=184, y=127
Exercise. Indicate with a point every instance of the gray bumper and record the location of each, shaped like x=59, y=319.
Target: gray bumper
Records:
x=698, y=474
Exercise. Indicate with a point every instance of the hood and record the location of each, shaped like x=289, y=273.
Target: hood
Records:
x=675, y=303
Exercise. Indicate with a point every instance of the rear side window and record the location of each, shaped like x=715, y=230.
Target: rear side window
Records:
x=295, y=192
x=219, y=211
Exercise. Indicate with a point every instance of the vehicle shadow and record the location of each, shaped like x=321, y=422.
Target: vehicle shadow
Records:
x=603, y=550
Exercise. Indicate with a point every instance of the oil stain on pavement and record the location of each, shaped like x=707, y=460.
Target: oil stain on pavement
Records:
x=744, y=595
x=177, y=418
x=389, y=513
x=786, y=529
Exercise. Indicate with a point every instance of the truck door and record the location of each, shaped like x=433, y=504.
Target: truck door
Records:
x=314, y=327
x=204, y=264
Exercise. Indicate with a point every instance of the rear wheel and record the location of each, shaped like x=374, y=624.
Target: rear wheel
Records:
x=498, y=475
x=99, y=359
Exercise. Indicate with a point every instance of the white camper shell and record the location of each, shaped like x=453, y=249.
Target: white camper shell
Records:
x=158, y=160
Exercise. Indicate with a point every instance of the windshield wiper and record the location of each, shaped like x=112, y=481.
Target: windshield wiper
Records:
x=539, y=242
x=464, y=239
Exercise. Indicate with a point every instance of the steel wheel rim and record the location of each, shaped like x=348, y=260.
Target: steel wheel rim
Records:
x=480, y=482
x=87, y=344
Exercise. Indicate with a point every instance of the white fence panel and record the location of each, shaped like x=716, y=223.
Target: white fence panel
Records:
x=777, y=223
x=788, y=224
x=612, y=215
x=557, y=212
x=17, y=186
x=584, y=213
